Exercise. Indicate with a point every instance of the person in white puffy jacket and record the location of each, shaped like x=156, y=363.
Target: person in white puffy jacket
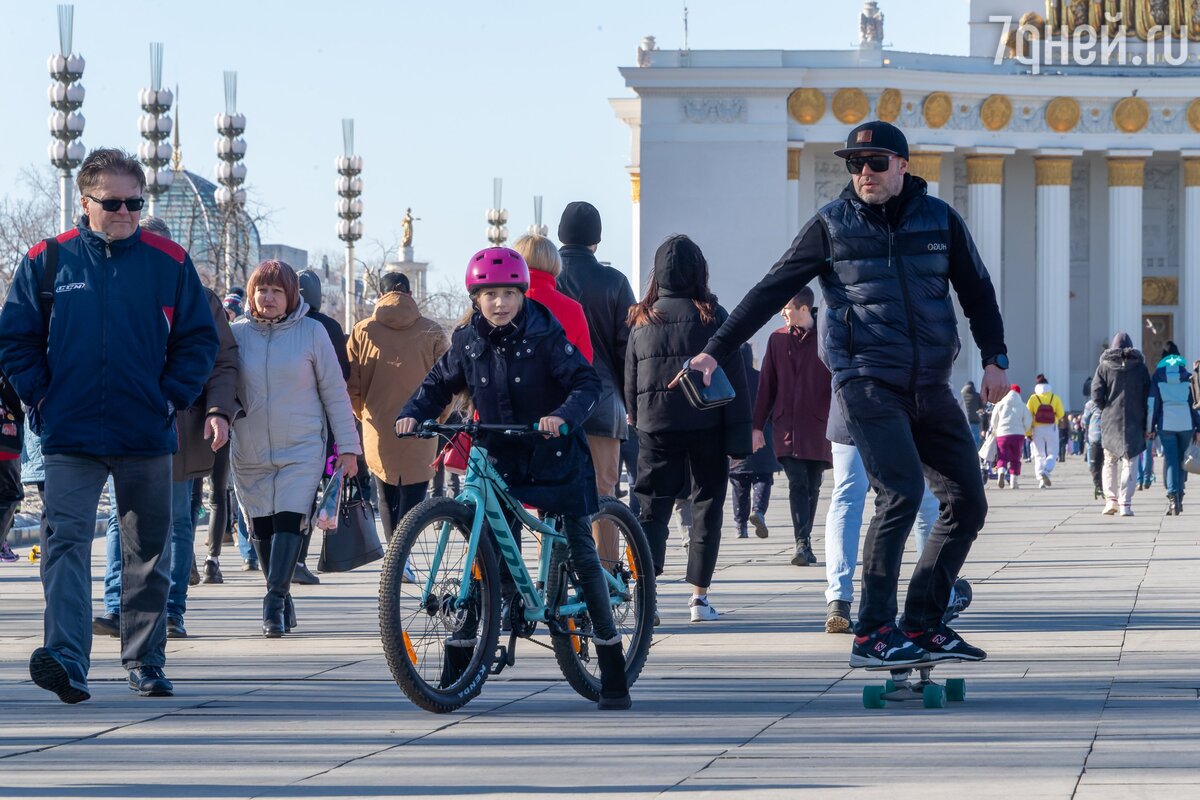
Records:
x=289, y=383
x=1011, y=423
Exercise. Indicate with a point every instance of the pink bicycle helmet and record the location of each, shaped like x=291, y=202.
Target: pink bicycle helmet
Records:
x=497, y=266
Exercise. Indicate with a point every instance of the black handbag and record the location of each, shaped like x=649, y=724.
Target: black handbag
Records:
x=718, y=392
x=355, y=541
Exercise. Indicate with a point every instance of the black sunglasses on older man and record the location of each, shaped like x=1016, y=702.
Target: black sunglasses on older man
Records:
x=877, y=163
x=111, y=204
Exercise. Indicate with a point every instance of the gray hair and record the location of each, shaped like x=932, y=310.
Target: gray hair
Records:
x=112, y=160
x=157, y=226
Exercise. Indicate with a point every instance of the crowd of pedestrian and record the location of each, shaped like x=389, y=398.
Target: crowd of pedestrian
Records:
x=263, y=396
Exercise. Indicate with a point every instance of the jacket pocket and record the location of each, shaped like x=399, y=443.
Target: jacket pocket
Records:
x=848, y=318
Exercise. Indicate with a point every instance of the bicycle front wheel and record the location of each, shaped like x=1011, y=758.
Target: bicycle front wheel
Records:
x=440, y=653
x=633, y=615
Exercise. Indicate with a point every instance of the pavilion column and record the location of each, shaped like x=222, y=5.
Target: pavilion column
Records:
x=1053, y=324
x=793, y=192
x=928, y=166
x=1190, y=300
x=635, y=231
x=985, y=221
x=1126, y=176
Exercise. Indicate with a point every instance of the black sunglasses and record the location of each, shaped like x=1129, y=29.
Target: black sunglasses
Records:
x=879, y=163
x=111, y=204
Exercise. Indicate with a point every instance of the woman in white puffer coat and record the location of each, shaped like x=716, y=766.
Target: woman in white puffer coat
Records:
x=1011, y=423
x=290, y=383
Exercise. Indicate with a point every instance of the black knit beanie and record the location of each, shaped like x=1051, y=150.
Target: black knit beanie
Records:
x=580, y=224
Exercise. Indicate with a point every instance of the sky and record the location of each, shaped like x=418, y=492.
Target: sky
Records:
x=445, y=94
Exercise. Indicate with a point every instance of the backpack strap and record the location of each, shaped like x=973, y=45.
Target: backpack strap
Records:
x=49, y=276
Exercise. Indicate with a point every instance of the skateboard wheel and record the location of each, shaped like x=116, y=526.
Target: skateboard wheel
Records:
x=873, y=697
x=956, y=689
x=934, y=696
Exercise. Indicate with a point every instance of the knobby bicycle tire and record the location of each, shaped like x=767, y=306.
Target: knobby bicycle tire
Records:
x=635, y=619
x=415, y=663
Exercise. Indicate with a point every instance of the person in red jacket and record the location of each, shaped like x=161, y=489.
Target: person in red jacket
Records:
x=794, y=390
x=544, y=265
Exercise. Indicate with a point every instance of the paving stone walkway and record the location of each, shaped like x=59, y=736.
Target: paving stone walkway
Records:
x=1092, y=689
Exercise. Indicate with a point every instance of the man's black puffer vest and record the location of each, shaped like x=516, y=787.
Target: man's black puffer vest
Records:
x=888, y=313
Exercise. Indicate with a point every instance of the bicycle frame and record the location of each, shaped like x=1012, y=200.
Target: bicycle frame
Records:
x=487, y=492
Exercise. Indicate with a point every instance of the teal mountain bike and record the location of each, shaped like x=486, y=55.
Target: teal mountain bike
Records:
x=439, y=594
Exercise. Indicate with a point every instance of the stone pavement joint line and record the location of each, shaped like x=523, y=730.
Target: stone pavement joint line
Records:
x=1089, y=691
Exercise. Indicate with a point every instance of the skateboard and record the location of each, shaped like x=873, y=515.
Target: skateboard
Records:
x=902, y=687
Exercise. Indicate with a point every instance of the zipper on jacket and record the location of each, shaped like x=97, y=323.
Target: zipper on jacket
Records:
x=848, y=318
x=267, y=388
x=912, y=327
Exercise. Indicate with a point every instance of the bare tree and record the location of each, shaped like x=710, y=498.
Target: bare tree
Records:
x=27, y=219
x=447, y=304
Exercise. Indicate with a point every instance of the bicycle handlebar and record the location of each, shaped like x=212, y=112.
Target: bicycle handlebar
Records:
x=430, y=428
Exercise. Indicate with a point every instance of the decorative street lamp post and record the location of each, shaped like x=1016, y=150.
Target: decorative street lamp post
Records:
x=231, y=174
x=497, y=217
x=155, y=126
x=349, y=209
x=66, y=123
x=537, y=228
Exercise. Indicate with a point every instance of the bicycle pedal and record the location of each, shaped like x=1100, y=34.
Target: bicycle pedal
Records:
x=501, y=661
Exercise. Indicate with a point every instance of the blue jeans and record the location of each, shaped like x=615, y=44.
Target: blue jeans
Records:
x=1174, y=445
x=243, y=536
x=183, y=546
x=1145, y=464
x=976, y=429
x=112, y=551
x=843, y=522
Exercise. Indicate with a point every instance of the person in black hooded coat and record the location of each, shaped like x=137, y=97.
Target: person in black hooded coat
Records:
x=675, y=318
x=1121, y=389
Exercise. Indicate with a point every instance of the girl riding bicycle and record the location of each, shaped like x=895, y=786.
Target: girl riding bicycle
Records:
x=514, y=360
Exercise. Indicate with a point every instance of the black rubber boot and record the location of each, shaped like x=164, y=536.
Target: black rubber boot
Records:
x=289, y=614
x=614, y=691
x=455, y=660
x=285, y=547
x=262, y=549
x=1170, y=505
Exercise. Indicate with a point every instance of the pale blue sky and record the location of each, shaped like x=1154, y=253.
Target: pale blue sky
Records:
x=445, y=96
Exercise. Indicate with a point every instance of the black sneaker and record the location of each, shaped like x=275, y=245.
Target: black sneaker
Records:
x=886, y=647
x=942, y=642
x=175, y=628
x=107, y=625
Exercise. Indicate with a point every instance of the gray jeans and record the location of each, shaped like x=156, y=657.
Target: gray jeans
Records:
x=73, y=485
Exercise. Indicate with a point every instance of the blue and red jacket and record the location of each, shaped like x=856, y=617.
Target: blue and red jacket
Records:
x=131, y=340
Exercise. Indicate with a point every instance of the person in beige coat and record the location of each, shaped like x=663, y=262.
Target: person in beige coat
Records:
x=289, y=383
x=390, y=354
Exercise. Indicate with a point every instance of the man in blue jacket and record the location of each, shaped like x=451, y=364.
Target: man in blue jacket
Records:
x=117, y=338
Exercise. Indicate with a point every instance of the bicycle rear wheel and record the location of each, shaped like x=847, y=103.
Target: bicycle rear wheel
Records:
x=634, y=616
x=438, y=654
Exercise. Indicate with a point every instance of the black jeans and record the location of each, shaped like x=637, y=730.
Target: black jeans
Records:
x=629, y=459
x=664, y=460
x=901, y=435
x=751, y=493
x=804, y=487
x=395, y=501
x=218, y=504
x=1096, y=463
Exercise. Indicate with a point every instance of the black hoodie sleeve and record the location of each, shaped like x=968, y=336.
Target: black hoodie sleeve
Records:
x=808, y=257
x=976, y=295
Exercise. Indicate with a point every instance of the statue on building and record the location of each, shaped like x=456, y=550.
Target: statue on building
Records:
x=870, y=25
x=647, y=46
x=406, y=227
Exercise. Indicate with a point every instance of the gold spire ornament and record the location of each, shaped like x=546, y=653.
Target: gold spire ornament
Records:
x=176, y=150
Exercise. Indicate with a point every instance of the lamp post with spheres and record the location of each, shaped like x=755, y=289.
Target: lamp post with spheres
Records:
x=349, y=210
x=66, y=123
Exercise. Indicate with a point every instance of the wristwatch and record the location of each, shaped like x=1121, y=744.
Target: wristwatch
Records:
x=1000, y=360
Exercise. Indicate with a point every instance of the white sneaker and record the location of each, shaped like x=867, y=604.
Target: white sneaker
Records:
x=1042, y=482
x=701, y=610
x=1126, y=511
x=1012, y=481
x=1110, y=508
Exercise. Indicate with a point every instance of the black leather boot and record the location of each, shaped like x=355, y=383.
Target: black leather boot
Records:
x=455, y=660
x=285, y=547
x=614, y=691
